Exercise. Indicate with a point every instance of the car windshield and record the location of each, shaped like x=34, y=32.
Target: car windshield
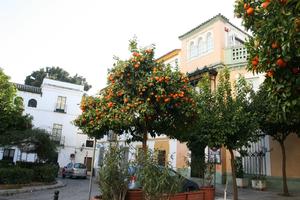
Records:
x=79, y=165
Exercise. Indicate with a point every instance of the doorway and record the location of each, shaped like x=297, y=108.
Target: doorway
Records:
x=88, y=163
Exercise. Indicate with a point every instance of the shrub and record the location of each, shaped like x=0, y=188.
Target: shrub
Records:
x=114, y=174
x=6, y=163
x=28, y=165
x=45, y=173
x=157, y=181
x=15, y=175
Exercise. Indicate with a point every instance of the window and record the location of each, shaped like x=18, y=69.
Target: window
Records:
x=8, y=154
x=61, y=104
x=56, y=132
x=193, y=50
x=209, y=41
x=89, y=143
x=201, y=46
x=32, y=103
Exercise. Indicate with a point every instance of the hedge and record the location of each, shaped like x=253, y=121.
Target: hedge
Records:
x=15, y=175
x=45, y=173
x=6, y=163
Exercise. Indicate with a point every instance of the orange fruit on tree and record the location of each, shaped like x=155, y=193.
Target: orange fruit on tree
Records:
x=110, y=104
x=265, y=4
x=250, y=11
x=281, y=63
x=246, y=6
x=254, y=63
x=270, y=73
x=275, y=45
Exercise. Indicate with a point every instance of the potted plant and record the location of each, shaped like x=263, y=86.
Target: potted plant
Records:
x=157, y=182
x=241, y=181
x=207, y=184
x=114, y=175
x=259, y=182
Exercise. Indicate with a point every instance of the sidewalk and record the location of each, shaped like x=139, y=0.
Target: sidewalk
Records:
x=31, y=188
x=248, y=193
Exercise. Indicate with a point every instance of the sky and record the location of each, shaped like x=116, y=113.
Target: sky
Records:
x=83, y=36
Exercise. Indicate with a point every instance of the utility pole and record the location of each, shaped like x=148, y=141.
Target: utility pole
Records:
x=92, y=170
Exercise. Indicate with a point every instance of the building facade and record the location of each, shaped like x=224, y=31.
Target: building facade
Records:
x=54, y=106
x=211, y=46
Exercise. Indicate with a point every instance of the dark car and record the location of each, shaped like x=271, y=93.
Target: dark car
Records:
x=186, y=184
x=74, y=170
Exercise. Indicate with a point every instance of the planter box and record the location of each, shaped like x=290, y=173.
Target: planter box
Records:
x=242, y=182
x=209, y=192
x=202, y=194
x=259, y=184
x=134, y=195
x=96, y=198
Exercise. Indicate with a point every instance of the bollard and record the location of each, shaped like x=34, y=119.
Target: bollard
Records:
x=56, y=194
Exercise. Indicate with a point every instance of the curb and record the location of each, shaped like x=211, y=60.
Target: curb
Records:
x=8, y=192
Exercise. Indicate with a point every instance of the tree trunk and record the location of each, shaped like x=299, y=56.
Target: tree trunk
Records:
x=284, y=183
x=233, y=172
x=145, y=138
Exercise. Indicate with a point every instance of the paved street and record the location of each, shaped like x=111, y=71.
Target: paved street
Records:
x=75, y=189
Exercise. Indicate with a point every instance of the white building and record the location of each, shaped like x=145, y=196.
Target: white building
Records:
x=54, y=106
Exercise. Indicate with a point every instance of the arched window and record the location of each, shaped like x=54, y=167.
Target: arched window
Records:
x=209, y=41
x=32, y=103
x=193, y=50
x=201, y=46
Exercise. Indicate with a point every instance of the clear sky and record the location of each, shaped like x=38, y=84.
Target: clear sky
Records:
x=82, y=36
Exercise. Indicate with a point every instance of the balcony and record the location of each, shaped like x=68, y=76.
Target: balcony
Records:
x=60, y=109
x=235, y=55
x=59, y=140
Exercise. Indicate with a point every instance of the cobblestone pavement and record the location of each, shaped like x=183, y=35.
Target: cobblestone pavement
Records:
x=75, y=189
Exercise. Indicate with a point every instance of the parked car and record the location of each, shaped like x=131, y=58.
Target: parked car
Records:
x=186, y=184
x=74, y=170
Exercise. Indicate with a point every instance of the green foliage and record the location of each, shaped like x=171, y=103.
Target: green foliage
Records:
x=269, y=122
x=158, y=182
x=224, y=108
x=11, y=109
x=114, y=174
x=37, y=141
x=275, y=48
x=36, y=78
x=42, y=172
x=45, y=173
x=15, y=175
x=239, y=167
x=6, y=164
x=142, y=96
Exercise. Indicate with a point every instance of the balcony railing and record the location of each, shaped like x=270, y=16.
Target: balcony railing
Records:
x=60, y=140
x=234, y=55
x=60, y=109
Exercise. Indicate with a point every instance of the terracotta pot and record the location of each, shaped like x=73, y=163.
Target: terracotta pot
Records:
x=98, y=197
x=209, y=192
x=179, y=196
x=134, y=195
x=195, y=195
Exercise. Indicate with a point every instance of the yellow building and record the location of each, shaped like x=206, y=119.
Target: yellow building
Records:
x=206, y=49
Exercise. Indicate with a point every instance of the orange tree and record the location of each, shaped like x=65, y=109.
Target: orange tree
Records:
x=274, y=48
x=142, y=97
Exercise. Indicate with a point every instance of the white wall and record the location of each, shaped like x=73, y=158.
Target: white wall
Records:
x=44, y=116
